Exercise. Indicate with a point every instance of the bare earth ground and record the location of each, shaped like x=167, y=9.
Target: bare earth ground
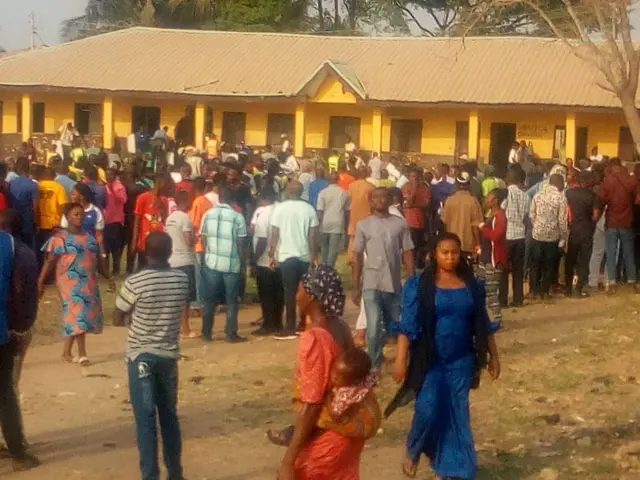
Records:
x=567, y=401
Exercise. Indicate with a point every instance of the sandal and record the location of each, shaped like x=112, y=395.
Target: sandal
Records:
x=411, y=471
x=82, y=361
x=282, y=438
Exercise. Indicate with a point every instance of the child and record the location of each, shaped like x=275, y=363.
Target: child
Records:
x=352, y=381
x=74, y=254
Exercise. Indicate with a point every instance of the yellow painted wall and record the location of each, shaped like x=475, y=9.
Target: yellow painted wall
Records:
x=10, y=112
x=604, y=131
x=332, y=90
x=170, y=113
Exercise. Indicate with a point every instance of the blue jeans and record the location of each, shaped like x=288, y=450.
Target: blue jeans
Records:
x=199, y=281
x=611, y=238
x=382, y=308
x=153, y=387
x=220, y=287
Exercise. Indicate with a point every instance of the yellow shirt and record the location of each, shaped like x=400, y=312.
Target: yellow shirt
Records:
x=212, y=148
x=333, y=163
x=102, y=176
x=51, y=200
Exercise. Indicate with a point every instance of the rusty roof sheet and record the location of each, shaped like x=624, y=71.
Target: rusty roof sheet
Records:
x=478, y=71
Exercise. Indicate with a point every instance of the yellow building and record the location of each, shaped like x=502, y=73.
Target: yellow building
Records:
x=434, y=98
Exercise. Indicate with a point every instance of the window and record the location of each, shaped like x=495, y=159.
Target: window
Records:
x=19, y=117
x=406, y=135
x=37, y=111
x=279, y=124
x=343, y=128
x=88, y=118
x=146, y=117
x=233, y=127
x=462, y=139
x=208, y=121
x=559, y=141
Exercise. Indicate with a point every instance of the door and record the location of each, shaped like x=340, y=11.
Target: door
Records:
x=462, y=140
x=406, y=135
x=233, y=127
x=146, y=117
x=279, y=124
x=582, y=137
x=626, y=146
x=341, y=129
x=503, y=136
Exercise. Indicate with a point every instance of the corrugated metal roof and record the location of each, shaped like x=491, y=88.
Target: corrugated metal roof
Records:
x=481, y=70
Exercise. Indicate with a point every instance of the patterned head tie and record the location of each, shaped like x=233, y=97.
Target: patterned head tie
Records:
x=323, y=283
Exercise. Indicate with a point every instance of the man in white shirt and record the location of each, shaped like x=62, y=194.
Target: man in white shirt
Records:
x=286, y=144
x=269, y=280
x=375, y=165
x=513, y=153
x=293, y=247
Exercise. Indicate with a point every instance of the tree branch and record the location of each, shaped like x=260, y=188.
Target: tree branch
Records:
x=413, y=18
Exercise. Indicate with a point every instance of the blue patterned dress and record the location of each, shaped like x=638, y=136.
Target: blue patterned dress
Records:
x=76, y=279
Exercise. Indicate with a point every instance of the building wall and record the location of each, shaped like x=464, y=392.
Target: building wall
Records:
x=438, y=124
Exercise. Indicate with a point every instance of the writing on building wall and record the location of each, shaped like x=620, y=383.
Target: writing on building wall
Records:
x=532, y=130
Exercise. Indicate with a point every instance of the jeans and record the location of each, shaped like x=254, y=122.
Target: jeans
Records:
x=271, y=296
x=417, y=236
x=292, y=270
x=114, y=243
x=625, y=237
x=331, y=244
x=153, y=387
x=597, y=255
x=577, y=259
x=199, y=281
x=543, y=261
x=516, y=265
x=219, y=286
x=382, y=309
x=10, y=416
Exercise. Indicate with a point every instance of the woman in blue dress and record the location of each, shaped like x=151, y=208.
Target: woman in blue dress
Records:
x=445, y=339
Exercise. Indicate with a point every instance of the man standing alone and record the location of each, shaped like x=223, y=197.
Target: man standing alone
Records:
x=386, y=240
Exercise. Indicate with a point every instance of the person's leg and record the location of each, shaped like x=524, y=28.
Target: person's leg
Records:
x=375, y=332
x=611, y=249
x=548, y=262
x=142, y=261
x=81, y=340
x=597, y=254
x=143, y=393
x=117, y=247
x=278, y=298
x=516, y=258
x=264, y=296
x=10, y=416
x=536, y=267
x=166, y=380
x=391, y=304
x=573, y=248
x=67, y=356
x=628, y=254
x=336, y=241
x=209, y=298
x=324, y=248
x=232, y=286
x=290, y=284
x=584, y=255
x=199, y=282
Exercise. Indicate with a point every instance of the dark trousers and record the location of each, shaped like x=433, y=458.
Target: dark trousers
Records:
x=141, y=261
x=292, y=270
x=516, y=267
x=41, y=238
x=271, y=294
x=10, y=416
x=577, y=259
x=114, y=243
x=417, y=236
x=543, y=261
x=153, y=388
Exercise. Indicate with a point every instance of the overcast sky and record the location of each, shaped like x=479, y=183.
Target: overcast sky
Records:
x=14, y=20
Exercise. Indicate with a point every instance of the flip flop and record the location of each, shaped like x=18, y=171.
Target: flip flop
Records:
x=83, y=361
x=412, y=472
x=282, y=438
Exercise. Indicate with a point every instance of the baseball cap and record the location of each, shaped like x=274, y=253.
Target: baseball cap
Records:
x=464, y=178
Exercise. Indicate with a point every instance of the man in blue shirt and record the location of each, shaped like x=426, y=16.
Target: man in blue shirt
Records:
x=315, y=187
x=99, y=192
x=10, y=417
x=62, y=177
x=23, y=196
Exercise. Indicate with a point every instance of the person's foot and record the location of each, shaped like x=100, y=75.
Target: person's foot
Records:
x=24, y=462
x=359, y=339
x=67, y=358
x=517, y=305
x=286, y=335
x=409, y=468
x=207, y=339
x=257, y=323
x=236, y=339
x=263, y=332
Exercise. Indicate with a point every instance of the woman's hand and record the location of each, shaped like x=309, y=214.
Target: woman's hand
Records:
x=494, y=367
x=400, y=369
x=286, y=471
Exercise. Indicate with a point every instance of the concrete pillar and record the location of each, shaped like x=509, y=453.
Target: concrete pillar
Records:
x=199, y=125
x=376, y=134
x=107, y=123
x=570, y=138
x=27, y=113
x=474, y=135
x=298, y=144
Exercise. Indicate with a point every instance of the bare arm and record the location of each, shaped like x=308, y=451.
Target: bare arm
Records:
x=304, y=426
x=402, y=358
x=409, y=263
x=275, y=238
x=356, y=276
x=136, y=228
x=100, y=240
x=119, y=318
x=47, y=270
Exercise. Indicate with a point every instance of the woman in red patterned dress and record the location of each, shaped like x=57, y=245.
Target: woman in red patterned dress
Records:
x=328, y=455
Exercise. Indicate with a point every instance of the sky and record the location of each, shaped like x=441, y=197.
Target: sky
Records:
x=14, y=20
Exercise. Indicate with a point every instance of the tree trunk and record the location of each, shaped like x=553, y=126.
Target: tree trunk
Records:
x=321, y=15
x=336, y=21
x=631, y=115
x=353, y=14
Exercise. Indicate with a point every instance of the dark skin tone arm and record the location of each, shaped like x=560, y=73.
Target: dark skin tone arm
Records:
x=136, y=229
x=275, y=238
x=119, y=318
x=409, y=265
x=356, y=276
x=261, y=247
x=304, y=427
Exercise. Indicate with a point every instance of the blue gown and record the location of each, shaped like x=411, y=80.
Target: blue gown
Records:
x=441, y=426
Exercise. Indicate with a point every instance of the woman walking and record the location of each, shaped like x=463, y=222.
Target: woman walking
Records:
x=74, y=255
x=325, y=454
x=446, y=330
x=92, y=219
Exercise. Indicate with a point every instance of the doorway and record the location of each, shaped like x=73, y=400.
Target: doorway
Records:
x=503, y=136
x=406, y=135
x=233, y=128
x=462, y=140
x=582, y=137
x=341, y=129
x=147, y=118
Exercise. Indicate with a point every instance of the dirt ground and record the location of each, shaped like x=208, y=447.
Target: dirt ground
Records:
x=566, y=403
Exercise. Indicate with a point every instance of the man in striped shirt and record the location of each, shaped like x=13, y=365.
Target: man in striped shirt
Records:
x=155, y=298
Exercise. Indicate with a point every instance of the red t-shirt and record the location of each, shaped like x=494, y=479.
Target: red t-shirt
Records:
x=152, y=215
x=187, y=186
x=344, y=180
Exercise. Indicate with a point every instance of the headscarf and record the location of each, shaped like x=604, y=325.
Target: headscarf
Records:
x=323, y=283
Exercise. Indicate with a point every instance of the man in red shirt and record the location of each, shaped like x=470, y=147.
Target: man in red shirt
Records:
x=619, y=192
x=416, y=196
x=186, y=184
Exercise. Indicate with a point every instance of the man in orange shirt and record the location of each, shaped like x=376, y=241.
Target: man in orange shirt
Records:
x=344, y=177
x=201, y=204
x=359, y=192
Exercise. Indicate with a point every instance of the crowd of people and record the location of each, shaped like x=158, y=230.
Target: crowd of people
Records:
x=442, y=246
